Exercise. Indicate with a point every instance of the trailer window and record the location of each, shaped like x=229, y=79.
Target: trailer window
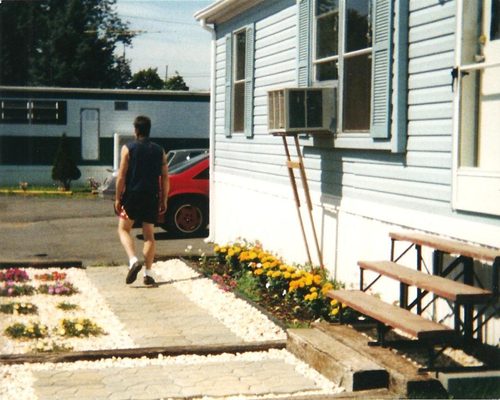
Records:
x=121, y=105
x=33, y=112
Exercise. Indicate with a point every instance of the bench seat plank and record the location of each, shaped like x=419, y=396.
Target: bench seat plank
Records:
x=448, y=246
x=396, y=317
x=443, y=287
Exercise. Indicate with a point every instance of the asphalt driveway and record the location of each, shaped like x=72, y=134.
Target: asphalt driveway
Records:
x=59, y=228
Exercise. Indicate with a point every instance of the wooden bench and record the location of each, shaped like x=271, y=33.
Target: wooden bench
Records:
x=463, y=254
x=448, y=246
x=395, y=317
x=443, y=287
x=466, y=254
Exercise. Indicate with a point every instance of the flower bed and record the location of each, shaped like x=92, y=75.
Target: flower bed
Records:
x=294, y=294
x=37, y=321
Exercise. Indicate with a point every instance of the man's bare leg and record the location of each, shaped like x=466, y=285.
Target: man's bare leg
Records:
x=124, y=229
x=128, y=243
x=149, y=244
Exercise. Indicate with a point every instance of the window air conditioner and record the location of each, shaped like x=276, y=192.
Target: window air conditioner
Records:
x=302, y=110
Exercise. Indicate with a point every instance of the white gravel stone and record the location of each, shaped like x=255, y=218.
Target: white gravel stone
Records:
x=91, y=305
x=16, y=380
x=240, y=317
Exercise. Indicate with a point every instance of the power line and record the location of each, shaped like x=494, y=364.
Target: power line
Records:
x=159, y=20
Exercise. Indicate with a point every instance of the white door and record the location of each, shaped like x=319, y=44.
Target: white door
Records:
x=477, y=183
x=89, y=120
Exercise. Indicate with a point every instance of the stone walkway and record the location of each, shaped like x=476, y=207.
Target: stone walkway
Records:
x=214, y=379
x=158, y=317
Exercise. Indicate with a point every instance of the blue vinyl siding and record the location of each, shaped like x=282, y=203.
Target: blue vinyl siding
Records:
x=418, y=178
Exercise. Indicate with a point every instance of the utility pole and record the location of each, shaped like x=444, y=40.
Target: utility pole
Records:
x=166, y=73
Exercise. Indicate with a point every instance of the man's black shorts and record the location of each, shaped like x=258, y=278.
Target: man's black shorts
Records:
x=141, y=206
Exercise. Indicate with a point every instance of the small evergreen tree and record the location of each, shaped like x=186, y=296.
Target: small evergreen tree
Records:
x=176, y=82
x=65, y=169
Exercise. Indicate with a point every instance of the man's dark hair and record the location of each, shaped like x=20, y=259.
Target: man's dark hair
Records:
x=142, y=125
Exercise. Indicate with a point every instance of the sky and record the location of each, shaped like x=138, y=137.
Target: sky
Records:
x=171, y=39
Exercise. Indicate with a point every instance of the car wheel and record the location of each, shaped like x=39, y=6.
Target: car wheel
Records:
x=186, y=216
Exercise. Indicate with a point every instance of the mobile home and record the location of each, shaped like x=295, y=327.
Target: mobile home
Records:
x=33, y=119
x=412, y=139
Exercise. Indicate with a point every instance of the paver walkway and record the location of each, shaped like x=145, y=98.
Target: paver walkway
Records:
x=158, y=316
x=164, y=316
x=173, y=381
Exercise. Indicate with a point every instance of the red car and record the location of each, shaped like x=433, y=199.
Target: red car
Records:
x=188, y=198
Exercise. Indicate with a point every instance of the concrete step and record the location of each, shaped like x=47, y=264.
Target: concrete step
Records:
x=473, y=385
x=336, y=361
x=405, y=379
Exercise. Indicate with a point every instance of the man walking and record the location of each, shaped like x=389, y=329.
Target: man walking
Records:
x=141, y=195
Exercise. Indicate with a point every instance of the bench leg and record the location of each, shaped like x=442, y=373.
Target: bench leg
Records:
x=403, y=295
x=419, y=268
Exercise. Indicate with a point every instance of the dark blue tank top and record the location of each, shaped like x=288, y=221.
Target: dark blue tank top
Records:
x=145, y=166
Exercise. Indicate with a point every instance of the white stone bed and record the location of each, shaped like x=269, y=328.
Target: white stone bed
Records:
x=16, y=381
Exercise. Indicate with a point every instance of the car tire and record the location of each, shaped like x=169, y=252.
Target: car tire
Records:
x=186, y=216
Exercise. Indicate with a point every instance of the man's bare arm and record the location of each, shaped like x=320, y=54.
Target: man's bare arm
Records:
x=165, y=184
x=120, y=180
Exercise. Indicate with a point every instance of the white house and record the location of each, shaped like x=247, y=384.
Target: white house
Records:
x=414, y=134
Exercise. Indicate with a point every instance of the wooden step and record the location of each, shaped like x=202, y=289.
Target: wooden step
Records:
x=337, y=362
x=443, y=287
x=395, y=317
x=448, y=246
x=405, y=379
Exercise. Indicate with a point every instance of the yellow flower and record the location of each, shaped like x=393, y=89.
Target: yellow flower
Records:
x=313, y=296
x=269, y=273
x=334, y=302
x=230, y=252
x=291, y=269
x=326, y=288
x=216, y=249
x=61, y=331
x=287, y=275
x=79, y=327
x=309, y=280
x=334, y=311
x=313, y=289
x=276, y=274
x=30, y=328
x=317, y=279
x=282, y=267
x=258, y=271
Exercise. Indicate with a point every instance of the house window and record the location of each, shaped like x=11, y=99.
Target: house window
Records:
x=343, y=52
x=359, y=47
x=239, y=81
x=33, y=112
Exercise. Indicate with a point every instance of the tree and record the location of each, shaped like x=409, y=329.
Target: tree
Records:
x=147, y=79
x=65, y=169
x=176, y=83
x=62, y=43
